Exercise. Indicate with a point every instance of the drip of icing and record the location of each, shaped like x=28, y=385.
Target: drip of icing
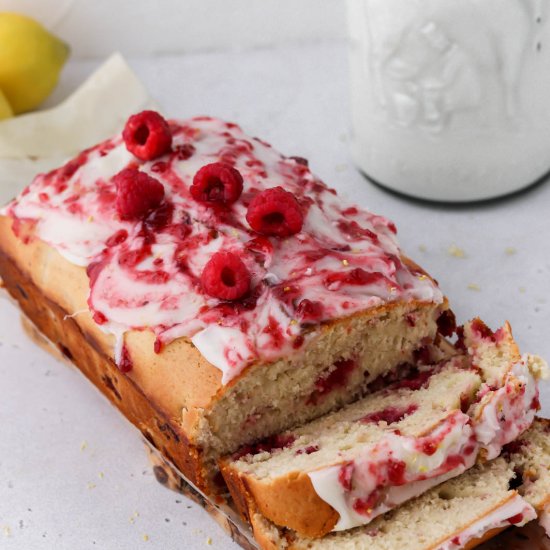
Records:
x=346, y=258
x=508, y=411
x=420, y=471
x=225, y=347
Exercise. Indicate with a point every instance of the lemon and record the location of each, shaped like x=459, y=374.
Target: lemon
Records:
x=31, y=59
x=5, y=108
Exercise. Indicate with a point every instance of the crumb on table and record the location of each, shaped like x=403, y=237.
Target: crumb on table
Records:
x=456, y=251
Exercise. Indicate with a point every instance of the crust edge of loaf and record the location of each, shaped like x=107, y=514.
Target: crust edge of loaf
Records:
x=247, y=496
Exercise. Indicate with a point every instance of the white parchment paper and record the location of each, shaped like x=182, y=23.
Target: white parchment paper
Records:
x=39, y=141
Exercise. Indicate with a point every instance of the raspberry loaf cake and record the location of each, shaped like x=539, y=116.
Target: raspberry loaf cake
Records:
x=345, y=469
x=215, y=290
x=458, y=514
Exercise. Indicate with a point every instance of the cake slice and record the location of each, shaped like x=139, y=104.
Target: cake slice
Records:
x=214, y=289
x=349, y=467
x=459, y=514
x=530, y=456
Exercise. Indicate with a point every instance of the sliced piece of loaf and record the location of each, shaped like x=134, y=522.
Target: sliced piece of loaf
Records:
x=459, y=514
x=530, y=456
x=351, y=466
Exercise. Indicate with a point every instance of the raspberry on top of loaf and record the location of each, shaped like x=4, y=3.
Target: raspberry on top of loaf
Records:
x=192, y=228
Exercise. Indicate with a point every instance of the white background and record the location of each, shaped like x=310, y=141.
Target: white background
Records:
x=97, y=27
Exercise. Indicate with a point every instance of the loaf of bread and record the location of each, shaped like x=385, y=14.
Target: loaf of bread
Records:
x=215, y=290
x=459, y=514
x=348, y=467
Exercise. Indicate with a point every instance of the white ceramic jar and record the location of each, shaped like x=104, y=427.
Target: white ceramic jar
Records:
x=451, y=98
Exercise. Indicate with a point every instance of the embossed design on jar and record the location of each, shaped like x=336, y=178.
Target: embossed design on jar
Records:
x=429, y=62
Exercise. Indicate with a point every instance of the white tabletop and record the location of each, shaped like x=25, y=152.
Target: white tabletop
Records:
x=73, y=472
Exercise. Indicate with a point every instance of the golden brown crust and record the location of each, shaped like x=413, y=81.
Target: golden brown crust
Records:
x=167, y=475
x=487, y=536
x=261, y=535
x=290, y=500
x=303, y=510
x=237, y=489
x=511, y=341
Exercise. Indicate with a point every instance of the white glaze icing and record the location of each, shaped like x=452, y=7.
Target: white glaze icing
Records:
x=508, y=411
x=73, y=210
x=224, y=347
x=497, y=519
x=421, y=471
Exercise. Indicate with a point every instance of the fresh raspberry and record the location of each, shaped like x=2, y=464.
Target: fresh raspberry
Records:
x=275, y=212
x=217, y=183
x=147, y=135
x=137, y=194
x=225, y=276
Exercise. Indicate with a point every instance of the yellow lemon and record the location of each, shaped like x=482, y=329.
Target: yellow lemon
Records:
x=5, y=108
x=31, y=59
